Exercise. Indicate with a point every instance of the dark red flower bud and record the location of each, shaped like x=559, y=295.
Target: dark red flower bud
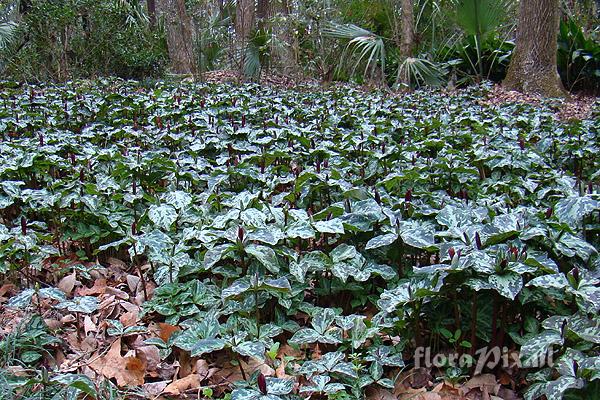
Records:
x=243, y=120
x=23, y=226
x=576, y=274
x=318, y=166
x=478, y=241
x=522, y=143
x=503, y=264
x=81, y=175
x=241, y=234
x=515, y=252
x=377, y=197
x=133, y=228
x=326, y=163
x=134, y=187
x=563, y=327
x=72, y=155
x=549, y=212
x=590, y=188
x=575, y=367
x=41, y=139
x=262, y=383
x=408, y=196
x=451, y=253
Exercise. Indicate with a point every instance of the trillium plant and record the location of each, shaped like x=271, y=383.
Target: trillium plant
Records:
x=323, y=235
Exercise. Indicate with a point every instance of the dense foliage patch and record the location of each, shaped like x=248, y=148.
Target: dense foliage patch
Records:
x=353, y=226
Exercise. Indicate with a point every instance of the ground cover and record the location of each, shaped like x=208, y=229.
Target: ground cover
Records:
x=268, y=243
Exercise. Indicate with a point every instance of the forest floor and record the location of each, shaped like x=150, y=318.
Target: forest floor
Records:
x=127, y=173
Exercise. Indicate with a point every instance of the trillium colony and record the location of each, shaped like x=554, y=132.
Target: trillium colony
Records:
x=353, y=226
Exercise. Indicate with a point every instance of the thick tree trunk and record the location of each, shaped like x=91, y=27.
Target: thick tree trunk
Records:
x=533, y=68
x=244, y=22
x=179, y=36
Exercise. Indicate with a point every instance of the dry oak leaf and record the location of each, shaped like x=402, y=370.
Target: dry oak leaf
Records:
x=128, y=371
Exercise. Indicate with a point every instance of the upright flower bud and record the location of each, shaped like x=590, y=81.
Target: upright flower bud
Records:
x=262, y=383
x=23, y=226
x=451, y=252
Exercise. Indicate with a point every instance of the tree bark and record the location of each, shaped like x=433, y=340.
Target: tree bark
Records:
x=407, y=38
x=151, y=5
x=178, y=25
x=532, y=68
x=244, y=19
x=263, y=11
x=244, y=22
x=407, y=18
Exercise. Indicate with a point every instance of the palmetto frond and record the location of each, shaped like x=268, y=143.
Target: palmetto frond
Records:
x=415, y=72
x=7, y=33
x=480, y=17
x=363, y=45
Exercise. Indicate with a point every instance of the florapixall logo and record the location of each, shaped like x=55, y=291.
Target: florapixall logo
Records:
x=484, y=358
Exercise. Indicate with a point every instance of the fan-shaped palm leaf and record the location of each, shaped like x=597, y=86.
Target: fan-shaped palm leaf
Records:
x=480, y=17
x=363, y=45
x=7, y=33
x=419, y=71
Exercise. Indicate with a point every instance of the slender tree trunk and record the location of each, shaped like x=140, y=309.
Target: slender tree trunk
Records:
x=179, y=36
x=533, y=67
x=407, y=45
x=151, y=5
x=263, y=12
x=407, y=39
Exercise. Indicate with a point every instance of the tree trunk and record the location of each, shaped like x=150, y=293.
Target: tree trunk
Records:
x=151, y=5
x=407, y=39
x=532, y=68
x=263, y=10
x=407, y=45
x=244, y=22
x=179, y=36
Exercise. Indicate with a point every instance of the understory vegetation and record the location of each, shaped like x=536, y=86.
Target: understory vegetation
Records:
x=454, y=42
x=259, y=243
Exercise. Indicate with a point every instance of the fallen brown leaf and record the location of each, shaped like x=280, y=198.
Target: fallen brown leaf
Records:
x=128, y=371
x=67, y=283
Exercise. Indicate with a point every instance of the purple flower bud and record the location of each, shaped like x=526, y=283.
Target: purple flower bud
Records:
x=451, y=252
x=262, y=383
x=478, y=241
